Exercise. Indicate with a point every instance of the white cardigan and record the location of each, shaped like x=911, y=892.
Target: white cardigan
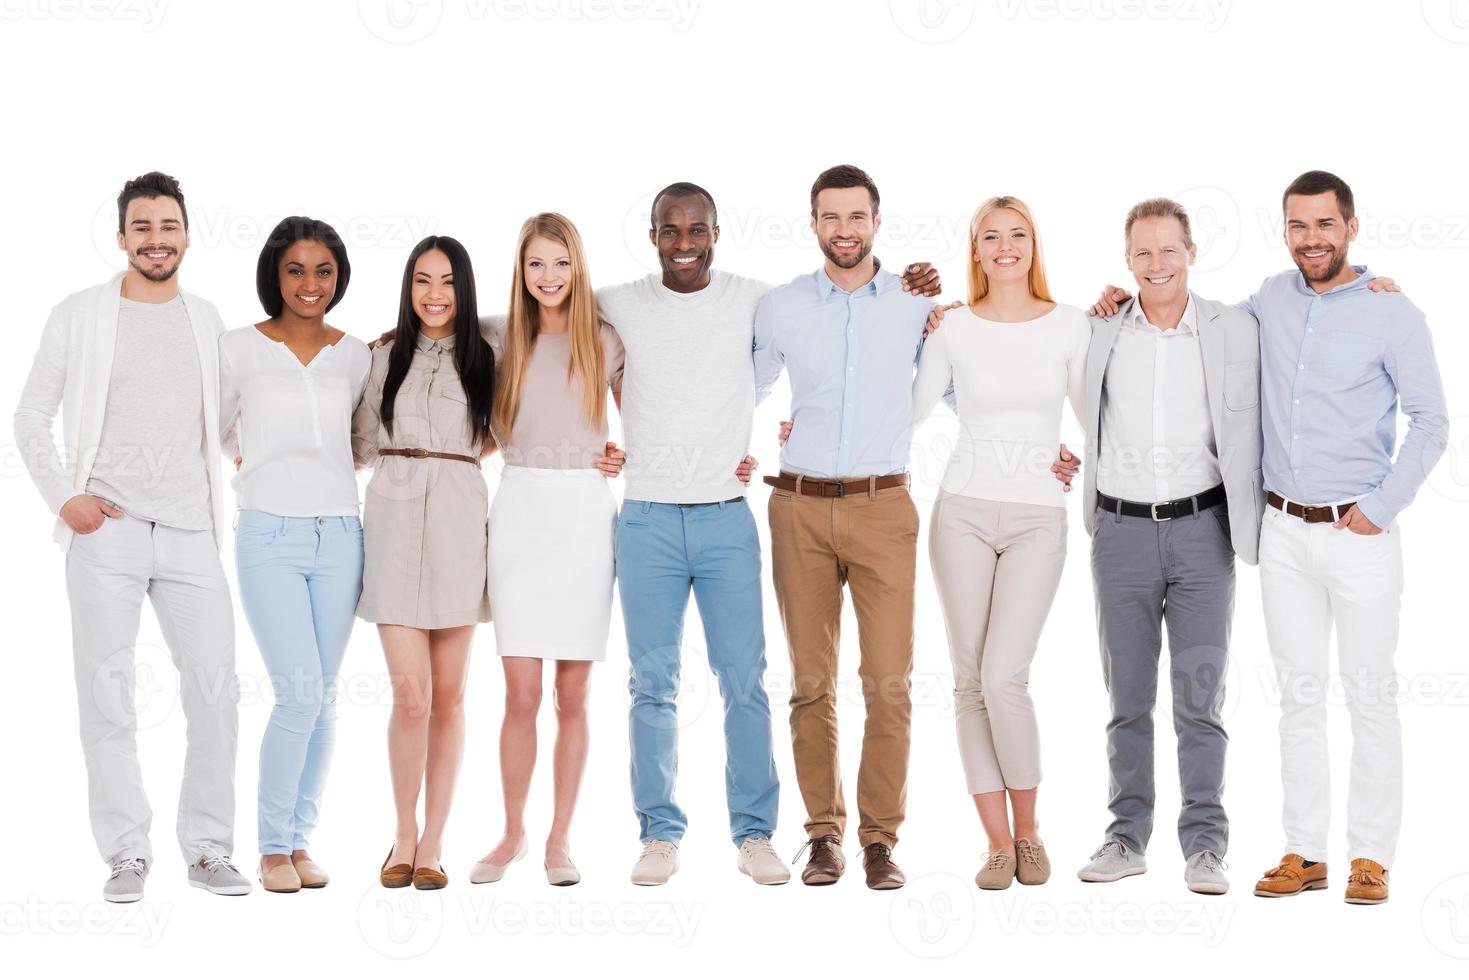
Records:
x=72, y=369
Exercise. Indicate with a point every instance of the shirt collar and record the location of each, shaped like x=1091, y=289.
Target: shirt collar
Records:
x=1188, y=323
x=1364, y=276
x=427, y=344
x=876, y=286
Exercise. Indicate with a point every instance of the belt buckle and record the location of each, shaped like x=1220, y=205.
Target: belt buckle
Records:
x=841, y=488
x=1153, y=509
x=418, y=453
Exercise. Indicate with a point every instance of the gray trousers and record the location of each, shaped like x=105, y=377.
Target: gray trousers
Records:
x=1147, y=574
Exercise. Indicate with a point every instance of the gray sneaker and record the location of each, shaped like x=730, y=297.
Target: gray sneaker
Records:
x=1112, y=861
x=1204, y=873
x=126, y=883
x=216, y=873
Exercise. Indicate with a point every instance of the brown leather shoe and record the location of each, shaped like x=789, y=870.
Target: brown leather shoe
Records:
x=826, y=863
x=1367, y=884
x=427, y=879
x=398, y=876
x=882, y=873
x=1291, y=877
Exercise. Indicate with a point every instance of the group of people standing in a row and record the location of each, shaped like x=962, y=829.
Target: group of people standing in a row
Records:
x=1203, y=421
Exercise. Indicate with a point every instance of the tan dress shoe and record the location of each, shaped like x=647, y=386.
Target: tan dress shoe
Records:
x=1032, y=865
x=312, y=874
x=1291, y=877
x=281, y=878
x=998, y=871
x=1367, y=884
x=398, y=876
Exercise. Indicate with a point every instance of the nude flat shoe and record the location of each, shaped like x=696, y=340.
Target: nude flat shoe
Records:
x=312, y=874
x=563, y=875
x=483, y=872
x=281, y=878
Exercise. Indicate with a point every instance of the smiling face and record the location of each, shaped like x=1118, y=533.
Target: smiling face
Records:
x=153, y=237
x=546, y=266
x=433, y=290
x=845, y=225
x=308, y=278
x=1004, y=246
x=1317, y=235
x=1159, y=259
x=684, y=233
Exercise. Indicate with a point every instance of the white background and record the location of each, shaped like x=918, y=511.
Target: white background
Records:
x=464, y=117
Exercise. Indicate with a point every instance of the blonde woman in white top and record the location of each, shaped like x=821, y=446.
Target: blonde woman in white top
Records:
x=997, y=539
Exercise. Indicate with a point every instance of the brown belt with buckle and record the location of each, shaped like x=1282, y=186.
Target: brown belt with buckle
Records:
x=1330, y=513
x=816, y=486
x=425, y=454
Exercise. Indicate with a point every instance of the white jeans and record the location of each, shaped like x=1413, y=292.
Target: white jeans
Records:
x=107, y=574
x=1313, y=576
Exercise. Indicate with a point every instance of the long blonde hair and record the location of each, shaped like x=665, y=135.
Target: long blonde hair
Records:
x=979, y=283
x=523, y=325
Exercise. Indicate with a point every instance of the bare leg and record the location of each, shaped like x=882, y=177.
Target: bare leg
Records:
x=1022, y=802
x=517, y=750
x=995, y=816
x=572, y=739
x=407, y=654
x=449, y=655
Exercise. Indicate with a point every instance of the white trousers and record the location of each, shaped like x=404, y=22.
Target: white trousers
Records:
x=1314, y=577
x=108, y=572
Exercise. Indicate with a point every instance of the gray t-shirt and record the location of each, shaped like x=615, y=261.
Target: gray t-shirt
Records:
x=150, y=457
x=688, y=385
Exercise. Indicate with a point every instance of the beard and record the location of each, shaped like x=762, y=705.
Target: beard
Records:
x=849, y=261
x=1333, y=267
x=155, y=275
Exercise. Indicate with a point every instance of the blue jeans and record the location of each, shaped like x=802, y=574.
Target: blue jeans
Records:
x=299, y=582
x=661, y=551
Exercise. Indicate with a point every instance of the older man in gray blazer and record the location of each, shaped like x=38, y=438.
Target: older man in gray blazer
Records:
x=1173, y=493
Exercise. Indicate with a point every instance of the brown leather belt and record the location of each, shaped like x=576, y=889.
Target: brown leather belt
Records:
x=425, y=454
x=816, y=486
x=1330, y=513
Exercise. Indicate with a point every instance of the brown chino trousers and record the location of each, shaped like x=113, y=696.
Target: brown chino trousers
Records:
x=867, y=540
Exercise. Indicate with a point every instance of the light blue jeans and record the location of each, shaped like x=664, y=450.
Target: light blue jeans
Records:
x=300, y=578
x=663, y=551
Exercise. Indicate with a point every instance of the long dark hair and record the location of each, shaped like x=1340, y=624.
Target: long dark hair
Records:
x=473, y=358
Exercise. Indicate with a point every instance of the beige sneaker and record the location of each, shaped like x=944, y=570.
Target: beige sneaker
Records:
x=758, y=860
x=998, y=871
x=656, y=864
x=1035, y=867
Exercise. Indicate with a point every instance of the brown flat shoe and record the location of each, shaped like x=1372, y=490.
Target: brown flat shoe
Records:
x=826, y=863
x=882, y=873
x=312, y=874
x=398, y=876
x=1367, y=884
x=1291, y=877
x=427, y=879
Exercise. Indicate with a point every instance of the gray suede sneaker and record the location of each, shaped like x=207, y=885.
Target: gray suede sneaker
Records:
x=126, y=883
x=1112, y=861
x=215, y=873
x=1204, y=873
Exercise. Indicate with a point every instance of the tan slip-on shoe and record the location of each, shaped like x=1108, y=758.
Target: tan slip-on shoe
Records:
x=428, y=879
x=1032, y=865
x=312, y=875
x=281, y=878
x=1291, y=877
x=998, y=871
x=1367, y=884
x=398, y=876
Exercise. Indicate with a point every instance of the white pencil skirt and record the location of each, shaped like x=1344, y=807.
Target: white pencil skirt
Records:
x=550, y=563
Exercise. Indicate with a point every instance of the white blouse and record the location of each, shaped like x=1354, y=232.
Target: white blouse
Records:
x=291, y=423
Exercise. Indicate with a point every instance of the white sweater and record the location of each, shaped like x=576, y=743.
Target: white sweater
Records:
x=1009, y=382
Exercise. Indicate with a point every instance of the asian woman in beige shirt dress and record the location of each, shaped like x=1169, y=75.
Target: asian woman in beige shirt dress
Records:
x=424, y=424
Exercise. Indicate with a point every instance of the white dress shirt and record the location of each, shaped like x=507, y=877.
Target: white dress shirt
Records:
x=291, y=423
x=1157, y=436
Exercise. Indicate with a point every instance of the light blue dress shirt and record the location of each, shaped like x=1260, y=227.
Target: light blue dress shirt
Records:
x=851, y=358
x=1334, y=369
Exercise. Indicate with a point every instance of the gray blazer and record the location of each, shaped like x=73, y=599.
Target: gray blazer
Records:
x=1230, y=341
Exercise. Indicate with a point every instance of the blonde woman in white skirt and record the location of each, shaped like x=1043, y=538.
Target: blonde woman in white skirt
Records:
x=551, y=524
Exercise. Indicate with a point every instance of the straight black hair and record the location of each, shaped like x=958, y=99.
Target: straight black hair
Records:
x=473, y=358
x=268, y=268
x=154, y=183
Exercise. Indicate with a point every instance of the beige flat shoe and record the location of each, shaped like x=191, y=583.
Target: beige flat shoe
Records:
x=998, y=871
x=312, y=874
x=483, y=872
x=563, y=875
x=1034, y=867
x=281, y=878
